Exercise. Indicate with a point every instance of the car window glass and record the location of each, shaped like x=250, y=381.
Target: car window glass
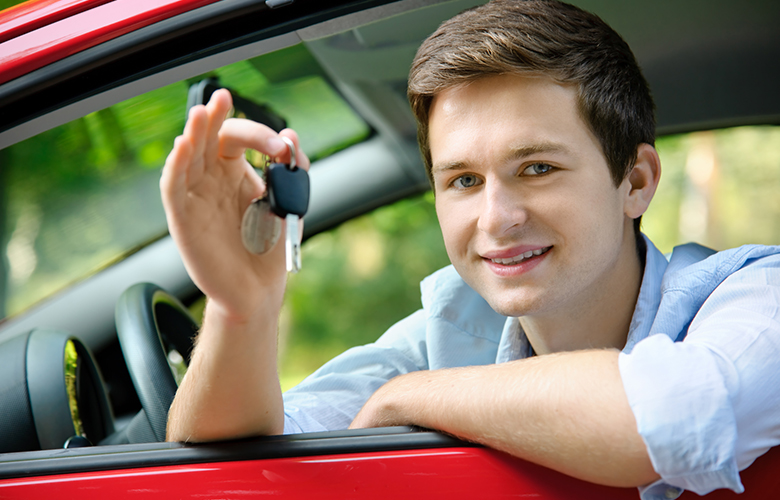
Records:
x=80, y=196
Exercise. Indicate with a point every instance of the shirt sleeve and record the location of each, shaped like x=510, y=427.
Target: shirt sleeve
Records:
x=331, y=397
x=706, y=407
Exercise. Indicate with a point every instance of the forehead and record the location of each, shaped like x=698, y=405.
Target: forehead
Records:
x=507, y=111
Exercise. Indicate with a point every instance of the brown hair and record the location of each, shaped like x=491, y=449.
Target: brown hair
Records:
x=541, y=37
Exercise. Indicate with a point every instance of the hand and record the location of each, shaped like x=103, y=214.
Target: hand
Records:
x=206, y=186
x=385, y=407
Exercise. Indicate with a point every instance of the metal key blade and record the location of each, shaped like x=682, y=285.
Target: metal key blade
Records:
x=293, y=243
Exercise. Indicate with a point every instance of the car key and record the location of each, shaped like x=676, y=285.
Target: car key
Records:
x=288, y=196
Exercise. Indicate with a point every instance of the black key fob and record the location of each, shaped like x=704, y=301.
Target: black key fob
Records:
x=288, y=189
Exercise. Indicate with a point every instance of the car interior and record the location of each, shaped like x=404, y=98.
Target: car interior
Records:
x=99, y=312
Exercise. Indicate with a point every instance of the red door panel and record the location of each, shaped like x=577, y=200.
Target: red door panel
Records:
x=451, y=473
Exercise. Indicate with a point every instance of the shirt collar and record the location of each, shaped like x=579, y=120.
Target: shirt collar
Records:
x=649, y=296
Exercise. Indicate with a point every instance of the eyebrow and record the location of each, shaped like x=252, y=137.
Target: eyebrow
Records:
x=542, y=147
x=516, y=153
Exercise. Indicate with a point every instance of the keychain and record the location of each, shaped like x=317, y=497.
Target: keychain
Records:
x=287, y=196
x=260, y=228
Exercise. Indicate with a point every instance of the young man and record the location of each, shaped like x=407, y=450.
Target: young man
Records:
x=560, y=334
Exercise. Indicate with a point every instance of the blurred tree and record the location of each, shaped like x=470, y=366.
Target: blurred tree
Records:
x=718, y=188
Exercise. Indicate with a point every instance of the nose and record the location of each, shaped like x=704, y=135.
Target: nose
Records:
x=502, y=209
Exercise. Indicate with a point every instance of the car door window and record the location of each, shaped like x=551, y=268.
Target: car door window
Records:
x=85, y=194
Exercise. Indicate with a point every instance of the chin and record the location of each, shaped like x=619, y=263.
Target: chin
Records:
x=511, y=301
x=513, y=306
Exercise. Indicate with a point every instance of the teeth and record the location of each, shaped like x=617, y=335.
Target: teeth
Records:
x=521, y=257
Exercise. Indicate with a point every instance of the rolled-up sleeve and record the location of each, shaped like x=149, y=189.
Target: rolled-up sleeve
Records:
x=707, y=407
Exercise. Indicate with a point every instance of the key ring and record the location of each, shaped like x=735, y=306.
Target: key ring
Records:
x=291, y=147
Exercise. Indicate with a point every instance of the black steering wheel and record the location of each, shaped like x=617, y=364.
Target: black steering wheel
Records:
x=151, y=323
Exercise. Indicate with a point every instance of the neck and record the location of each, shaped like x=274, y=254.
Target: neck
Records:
x=599, y=321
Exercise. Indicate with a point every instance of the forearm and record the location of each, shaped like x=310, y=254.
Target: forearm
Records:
x=566, y=411
x=232, y=387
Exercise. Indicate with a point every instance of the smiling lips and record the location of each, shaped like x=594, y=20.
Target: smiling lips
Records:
x=517, y=259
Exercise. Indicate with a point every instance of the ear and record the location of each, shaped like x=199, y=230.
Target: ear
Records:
x=642, y=181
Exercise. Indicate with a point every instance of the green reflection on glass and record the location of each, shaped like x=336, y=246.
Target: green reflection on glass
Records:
x=177, y=364
x=71, y=368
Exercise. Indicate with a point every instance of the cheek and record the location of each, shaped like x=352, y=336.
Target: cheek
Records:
x=602, y=220
x=586, y=213
x=453, y=228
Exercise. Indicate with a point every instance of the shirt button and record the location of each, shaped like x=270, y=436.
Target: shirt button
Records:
x=672, y=493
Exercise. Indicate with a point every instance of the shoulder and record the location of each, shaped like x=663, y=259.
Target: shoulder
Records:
x=698, y=266
x=697, y=275
x=748, y=291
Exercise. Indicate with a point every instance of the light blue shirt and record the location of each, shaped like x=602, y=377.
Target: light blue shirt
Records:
x=701, y=366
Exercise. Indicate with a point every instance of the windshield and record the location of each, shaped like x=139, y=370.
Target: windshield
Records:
x=83, y=195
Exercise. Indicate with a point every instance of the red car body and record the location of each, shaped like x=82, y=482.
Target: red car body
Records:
x=457, y=472
x=39, y=33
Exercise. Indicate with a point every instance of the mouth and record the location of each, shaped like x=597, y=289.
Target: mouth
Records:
x=518, y=259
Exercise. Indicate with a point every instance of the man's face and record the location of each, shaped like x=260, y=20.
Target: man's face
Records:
x=530, y=215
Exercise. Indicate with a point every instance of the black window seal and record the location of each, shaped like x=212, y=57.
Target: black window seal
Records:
x=133, y=456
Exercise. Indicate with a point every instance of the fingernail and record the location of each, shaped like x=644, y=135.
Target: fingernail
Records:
x=275, y=145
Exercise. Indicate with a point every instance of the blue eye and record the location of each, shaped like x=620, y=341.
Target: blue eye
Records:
x=537, y=169
x=465, y=181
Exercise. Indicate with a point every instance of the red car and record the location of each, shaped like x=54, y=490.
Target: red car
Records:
x=92, y=93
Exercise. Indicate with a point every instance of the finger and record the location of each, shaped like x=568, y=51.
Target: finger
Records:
x=217, y=109
x=174, y=175
x=301, y=159
x=238, y=134
x=195, y=129
x=251, y=189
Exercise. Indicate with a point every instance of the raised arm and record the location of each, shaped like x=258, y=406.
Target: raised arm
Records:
x=231, y=388
x=566, y=411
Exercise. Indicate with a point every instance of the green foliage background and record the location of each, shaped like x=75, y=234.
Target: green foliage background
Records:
x=357, y=281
